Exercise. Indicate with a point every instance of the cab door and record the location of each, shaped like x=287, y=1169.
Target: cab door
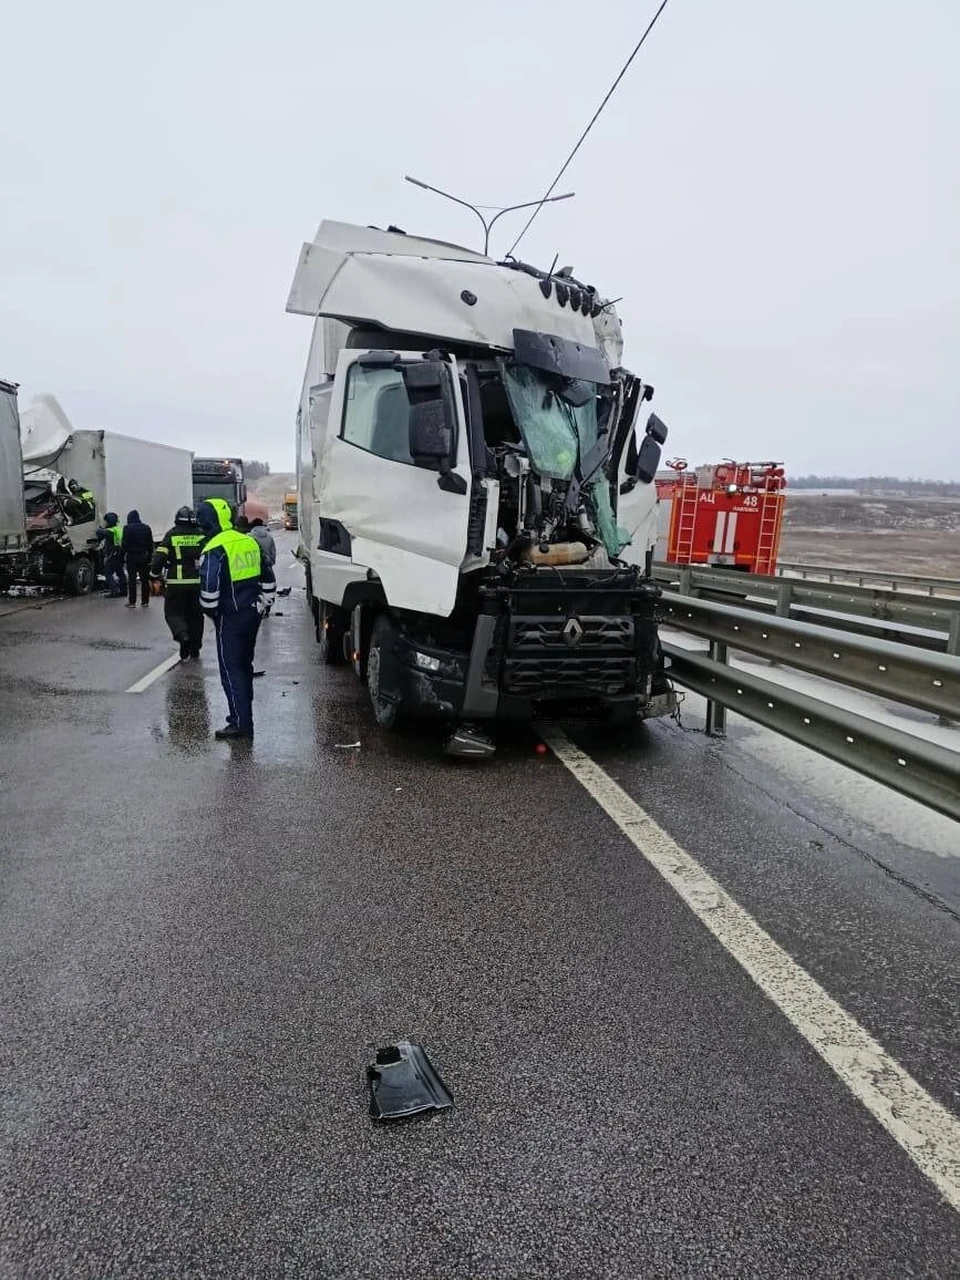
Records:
x=406, y=515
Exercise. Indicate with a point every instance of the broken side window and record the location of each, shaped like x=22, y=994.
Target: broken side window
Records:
x=613, y=537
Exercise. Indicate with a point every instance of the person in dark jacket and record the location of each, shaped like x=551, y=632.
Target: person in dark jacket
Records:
x=137, y=544
x=176, y=562
x=109, y=534
x=268, y=548
x=235, y=589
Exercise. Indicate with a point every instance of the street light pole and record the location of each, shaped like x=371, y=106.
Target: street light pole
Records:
x=487, y=225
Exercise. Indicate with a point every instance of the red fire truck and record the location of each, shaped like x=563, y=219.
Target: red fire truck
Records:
x=727, y=513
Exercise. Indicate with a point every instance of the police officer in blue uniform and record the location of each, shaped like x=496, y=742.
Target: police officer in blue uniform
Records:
x=236, y=588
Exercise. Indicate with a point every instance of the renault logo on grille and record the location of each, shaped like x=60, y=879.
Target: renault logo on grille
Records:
x=572, y=632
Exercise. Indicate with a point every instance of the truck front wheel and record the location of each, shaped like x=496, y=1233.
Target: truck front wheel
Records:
x=78, y=577
x=389, y=714
x=331, y=628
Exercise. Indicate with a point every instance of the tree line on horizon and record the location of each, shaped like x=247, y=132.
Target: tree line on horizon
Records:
x=880, y=484
x=255, y=470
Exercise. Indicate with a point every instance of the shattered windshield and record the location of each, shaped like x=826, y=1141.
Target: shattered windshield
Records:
x=558, y=423
x=555, y=432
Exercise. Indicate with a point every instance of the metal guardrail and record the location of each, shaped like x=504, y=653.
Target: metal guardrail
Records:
x=934, y=620
x=923, y=770
x=862, y=577
x=928, y=681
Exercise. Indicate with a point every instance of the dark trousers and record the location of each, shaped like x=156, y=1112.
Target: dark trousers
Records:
x=138, y=569
x=184, y=617
x=114, y=574
x=236, y=641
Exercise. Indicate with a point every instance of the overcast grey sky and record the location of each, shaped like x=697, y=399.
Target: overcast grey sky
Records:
x=775, y=190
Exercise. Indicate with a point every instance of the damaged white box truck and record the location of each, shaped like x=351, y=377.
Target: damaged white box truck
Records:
x=477, y=500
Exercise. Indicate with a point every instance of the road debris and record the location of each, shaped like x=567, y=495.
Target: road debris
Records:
x=403, y=1082
x=347, y=746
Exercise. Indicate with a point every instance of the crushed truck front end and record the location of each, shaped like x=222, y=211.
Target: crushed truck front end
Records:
x=541, y=646
x=476, y=496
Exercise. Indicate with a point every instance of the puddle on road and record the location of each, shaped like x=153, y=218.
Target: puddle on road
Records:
x=12, y=637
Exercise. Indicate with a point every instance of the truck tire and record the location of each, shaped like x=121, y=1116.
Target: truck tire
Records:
x=79, y=576
x=331, y=627
x=388, y=715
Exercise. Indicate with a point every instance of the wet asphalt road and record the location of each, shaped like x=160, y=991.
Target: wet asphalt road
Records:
x=201, y=946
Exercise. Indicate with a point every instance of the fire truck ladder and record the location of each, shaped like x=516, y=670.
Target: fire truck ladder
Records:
x=687, y=493
x=768, y=534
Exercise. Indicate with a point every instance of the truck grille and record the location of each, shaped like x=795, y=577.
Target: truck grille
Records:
x=561, y=636
x=572, y=635
x=537, y=676
x=569, y=654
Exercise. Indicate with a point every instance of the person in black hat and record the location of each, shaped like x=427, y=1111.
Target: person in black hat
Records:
x=175, y=571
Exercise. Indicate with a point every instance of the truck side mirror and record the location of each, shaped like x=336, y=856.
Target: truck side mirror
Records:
x=431, y=438
x=641, y=464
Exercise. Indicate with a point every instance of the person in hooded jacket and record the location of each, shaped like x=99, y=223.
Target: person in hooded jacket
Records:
x=176, y=563
x=110, y=534
x=137, y=545
x=236, y=588
x=268, y=548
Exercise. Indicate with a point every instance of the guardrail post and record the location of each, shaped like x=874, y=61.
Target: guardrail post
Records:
x=686, y=576
x=953, y=647
x=784, y=599
x=716, y=712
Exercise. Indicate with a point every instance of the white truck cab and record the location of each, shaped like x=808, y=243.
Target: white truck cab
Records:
x=476, y=502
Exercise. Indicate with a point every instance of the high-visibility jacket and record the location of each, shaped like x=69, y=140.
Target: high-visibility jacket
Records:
x=177, y=556
x=233, y=577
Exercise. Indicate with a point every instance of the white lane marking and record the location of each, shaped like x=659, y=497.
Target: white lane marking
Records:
x=155, y=674
x=928, y=1133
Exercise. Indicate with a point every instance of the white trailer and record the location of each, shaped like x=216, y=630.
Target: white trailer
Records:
x=13, y=522
x=123, y=474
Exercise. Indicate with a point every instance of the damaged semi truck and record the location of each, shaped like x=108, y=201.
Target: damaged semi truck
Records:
x=477, y=503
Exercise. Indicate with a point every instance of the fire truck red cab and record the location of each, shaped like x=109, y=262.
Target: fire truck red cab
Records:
x=727, y=513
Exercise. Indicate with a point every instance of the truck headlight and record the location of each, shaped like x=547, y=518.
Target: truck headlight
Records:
x=426, y=661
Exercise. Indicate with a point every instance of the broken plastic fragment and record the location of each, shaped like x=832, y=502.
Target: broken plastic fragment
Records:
x=403, y=1083
x=468, y=740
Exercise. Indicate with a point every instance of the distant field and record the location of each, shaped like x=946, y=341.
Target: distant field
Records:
x=905, y=535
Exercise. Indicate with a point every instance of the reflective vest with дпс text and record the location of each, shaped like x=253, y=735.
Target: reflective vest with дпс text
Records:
x=242, y=552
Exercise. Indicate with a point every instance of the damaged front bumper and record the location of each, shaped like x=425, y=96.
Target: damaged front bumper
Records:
x=548, y=644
